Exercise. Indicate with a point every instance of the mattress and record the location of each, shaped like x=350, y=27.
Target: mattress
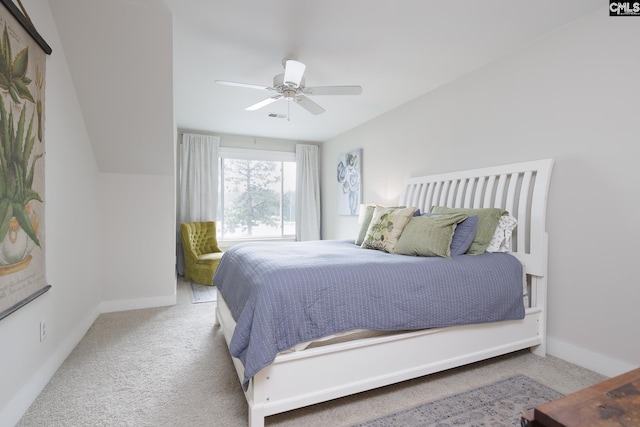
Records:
x=285, y=294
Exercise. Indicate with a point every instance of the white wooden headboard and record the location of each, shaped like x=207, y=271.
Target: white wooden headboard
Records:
x=520, y=188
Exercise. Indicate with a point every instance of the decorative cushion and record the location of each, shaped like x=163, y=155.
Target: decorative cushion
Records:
x=501, y=241
x=463, y=236
x=487, y=222
x=365, y=219
x=429, y=235
x=386, y=227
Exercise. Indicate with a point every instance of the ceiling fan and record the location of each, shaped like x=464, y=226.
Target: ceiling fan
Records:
x=291, y=86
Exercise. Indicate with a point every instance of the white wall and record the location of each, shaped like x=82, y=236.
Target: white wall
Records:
x=73, y=242
x=121, y=61
x=138, y=215
x=571, y=95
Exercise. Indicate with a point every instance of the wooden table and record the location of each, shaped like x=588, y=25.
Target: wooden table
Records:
x=614, y=402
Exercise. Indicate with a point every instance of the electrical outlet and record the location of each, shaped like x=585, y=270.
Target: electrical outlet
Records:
x=43, y=330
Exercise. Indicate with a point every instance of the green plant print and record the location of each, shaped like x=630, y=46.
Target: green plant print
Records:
x=13, y=71
x=17, y=165
x=379, y=230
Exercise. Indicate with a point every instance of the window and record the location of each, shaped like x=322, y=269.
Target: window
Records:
x=257, y=195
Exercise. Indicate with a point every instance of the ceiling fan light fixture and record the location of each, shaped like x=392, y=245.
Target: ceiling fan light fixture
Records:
x=293, y=72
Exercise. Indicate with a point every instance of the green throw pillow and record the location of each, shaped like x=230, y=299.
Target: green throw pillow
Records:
x=487, y=222
x=429, y=235
x=364, y=224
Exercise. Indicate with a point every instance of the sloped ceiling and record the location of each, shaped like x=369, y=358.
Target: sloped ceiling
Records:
x=396, y=51
x=121, y=62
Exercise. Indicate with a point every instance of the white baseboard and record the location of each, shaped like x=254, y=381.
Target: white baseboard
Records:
x=597, y=362
x=136, y=304
x=28, y=393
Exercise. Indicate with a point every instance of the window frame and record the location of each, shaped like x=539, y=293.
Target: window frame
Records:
x=255, y=155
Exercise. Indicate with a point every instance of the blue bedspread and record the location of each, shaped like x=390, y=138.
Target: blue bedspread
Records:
x=282, y=294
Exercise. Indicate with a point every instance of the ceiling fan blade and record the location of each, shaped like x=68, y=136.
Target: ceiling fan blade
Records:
x=309, y=105
x=293, y=72
x=263, y=103
x=333, y=90
x=245, y=85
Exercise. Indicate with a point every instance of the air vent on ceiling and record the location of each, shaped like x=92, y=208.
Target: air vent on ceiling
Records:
x=277, y=116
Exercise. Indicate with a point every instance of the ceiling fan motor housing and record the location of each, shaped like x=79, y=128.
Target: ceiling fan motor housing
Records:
x=287, y=90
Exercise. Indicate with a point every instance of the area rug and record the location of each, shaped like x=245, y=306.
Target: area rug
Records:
x=202, y=293
x=498, y=404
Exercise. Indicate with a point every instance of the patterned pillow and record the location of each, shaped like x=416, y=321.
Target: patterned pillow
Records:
x=429, y=235
x=365, y=219
x=501, y=241
x=386, y=227
x=487, y=222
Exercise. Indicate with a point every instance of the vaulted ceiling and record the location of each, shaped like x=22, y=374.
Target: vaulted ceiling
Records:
x=396, y=51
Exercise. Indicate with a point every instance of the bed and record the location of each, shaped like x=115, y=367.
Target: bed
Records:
x=291, y=379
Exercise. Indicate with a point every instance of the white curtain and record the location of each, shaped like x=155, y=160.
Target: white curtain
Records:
x=198, y=188
x=307, y=193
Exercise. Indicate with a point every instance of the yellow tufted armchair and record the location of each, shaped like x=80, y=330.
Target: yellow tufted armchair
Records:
x=201, y=252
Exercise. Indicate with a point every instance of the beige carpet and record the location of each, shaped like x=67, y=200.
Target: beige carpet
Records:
x=170, y=367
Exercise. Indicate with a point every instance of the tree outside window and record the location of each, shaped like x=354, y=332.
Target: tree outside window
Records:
x=258, y=199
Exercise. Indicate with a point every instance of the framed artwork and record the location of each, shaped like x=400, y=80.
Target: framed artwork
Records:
x=349, y=173
x=22, y=85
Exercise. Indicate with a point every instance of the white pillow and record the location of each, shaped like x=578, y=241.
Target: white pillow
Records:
x=501, y=240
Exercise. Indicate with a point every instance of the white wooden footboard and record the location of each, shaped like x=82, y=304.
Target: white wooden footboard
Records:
x=303, y=378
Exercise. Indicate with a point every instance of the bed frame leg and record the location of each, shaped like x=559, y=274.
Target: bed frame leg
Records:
x=255, y=418
x=216, y=313
x=216, y=320
x=539, y=350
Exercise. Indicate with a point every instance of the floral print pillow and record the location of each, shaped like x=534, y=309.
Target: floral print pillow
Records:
x=501, y=241
x=386, y=227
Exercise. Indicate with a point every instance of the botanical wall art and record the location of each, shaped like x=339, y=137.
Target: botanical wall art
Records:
x=349, y=174
x=22, y=77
